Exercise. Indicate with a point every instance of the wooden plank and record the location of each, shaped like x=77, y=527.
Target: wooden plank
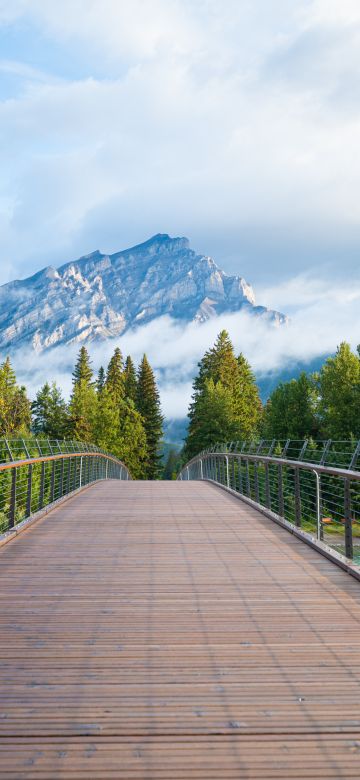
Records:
x=166, y=630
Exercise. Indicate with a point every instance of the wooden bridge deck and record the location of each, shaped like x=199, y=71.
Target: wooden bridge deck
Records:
x=166, y=630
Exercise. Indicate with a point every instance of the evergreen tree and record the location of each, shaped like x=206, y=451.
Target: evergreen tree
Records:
x=247, y=403
x=148, y=404
x=115, y=376
x=130, y=381
x=339, y=389
x=15, y=413
x=118, y=428
x=82, y=407
x=100, y=383
x=172, y=464
x=291, y=411
x=221, y=374
x=50, y=416
x=214, y=421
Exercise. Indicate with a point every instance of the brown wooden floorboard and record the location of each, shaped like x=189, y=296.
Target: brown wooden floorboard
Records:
x=167, y=630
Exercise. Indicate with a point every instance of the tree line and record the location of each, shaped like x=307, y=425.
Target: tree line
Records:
x=119, y=410
x=226, y=403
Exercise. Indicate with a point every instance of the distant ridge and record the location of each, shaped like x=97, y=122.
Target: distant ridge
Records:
x=101, y=296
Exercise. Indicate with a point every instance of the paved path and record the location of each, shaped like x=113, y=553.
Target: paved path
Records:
x=165, y=630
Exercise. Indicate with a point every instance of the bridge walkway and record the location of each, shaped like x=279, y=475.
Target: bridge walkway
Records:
x=167, y=630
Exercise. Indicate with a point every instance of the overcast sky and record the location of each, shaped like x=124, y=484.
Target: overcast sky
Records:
x=233, y=122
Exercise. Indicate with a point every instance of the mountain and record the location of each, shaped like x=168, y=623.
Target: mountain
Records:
x=100, y=296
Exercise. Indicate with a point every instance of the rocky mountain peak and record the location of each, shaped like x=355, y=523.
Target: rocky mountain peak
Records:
x=99, y=296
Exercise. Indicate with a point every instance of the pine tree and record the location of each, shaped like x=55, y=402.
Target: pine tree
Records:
x=82, y=407
x=291, y=411
x=100, y=382
x=50, y=415
x=233, y=380
x=172, y=464
x=118, y=428
x=339, y=389
x=130, y=381
x=247, y=403
x=115, y=376
x=148, y=404
x=15, y=413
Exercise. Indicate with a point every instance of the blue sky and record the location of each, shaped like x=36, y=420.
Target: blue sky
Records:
x=235, y=123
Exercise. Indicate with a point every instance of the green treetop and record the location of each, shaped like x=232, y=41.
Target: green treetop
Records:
x=82, y=407
x=50, y=415
x=130, y=381
x=15, y=415
x=115, y=376
x=100, y=382
x=148, y=404
x=339, y=389
x=291, y=411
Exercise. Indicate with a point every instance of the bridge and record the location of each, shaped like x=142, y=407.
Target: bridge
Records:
x=174, y=629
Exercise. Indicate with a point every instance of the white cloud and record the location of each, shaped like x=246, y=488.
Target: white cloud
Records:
x=200, y=117
x=322, y=317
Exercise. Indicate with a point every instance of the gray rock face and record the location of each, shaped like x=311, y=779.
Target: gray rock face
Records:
x=100, y=296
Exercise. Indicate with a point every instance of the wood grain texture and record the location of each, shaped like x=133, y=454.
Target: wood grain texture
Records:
x=167, y=630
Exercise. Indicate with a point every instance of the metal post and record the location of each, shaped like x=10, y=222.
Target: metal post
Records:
x=247, y=479
x=349, y=551
x=227, y=471
x=81, y=465
x=61, y=484
x=318, y=505
x=42, y=486
x=187, y=471
x=280, y=491
x=241, y=489
x=12, y=511
x=201, y=469
x=68, y=476
x=52, y=488
x=297, y=499
x=75, y=473
x=256, y=481
x=267, y=487
x=29, y=491
x=106, y=472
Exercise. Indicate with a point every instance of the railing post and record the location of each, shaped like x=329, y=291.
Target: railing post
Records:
x=297, y=499
x=256, y=481
x=52, y=488
x=29, y=491
x=12, y=511
x=187, y=471
x=227, y=471
x=281, y=491
x=349, y=551
x=42, y=486
x=318, y=507
x=75, y=473
x=241, y=488
x=80, y=478
x=61, y=483
x=267, y=487
x=247, y=478
x=106, y=472
x=201, y=469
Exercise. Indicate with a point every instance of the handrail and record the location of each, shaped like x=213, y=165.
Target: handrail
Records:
x=321, y=499
x=28, y=484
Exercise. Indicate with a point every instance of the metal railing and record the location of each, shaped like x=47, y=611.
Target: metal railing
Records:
x=35, y=473
x=321, y=499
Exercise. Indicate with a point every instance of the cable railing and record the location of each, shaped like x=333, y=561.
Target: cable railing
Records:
x=37, y=472
x=318, y=496
x=329, y=452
